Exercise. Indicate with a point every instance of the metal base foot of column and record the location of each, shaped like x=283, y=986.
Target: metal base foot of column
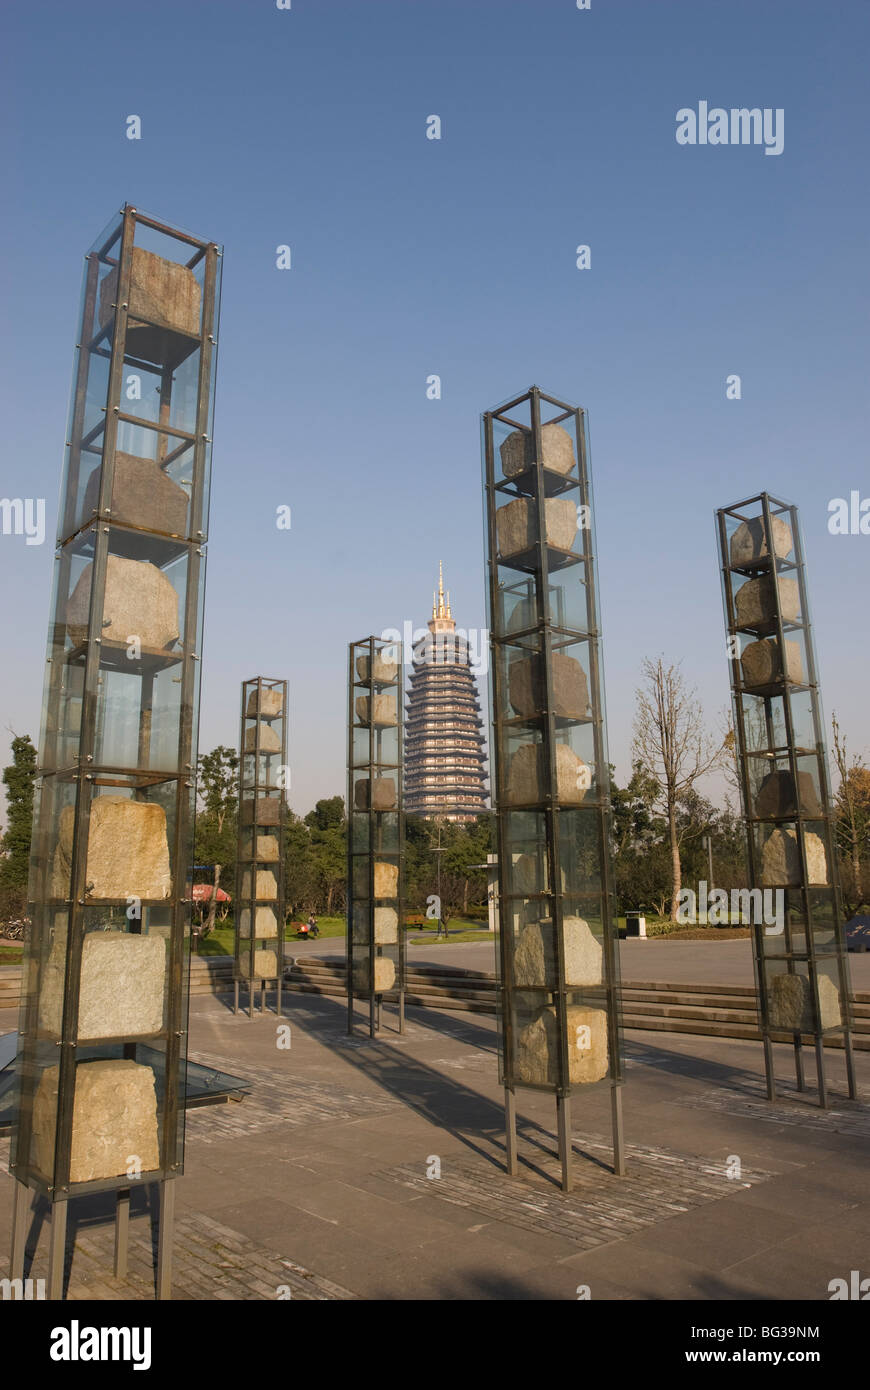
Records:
x=563, y=1121
x=164, y=1239
x=510, y=1130
x=57, y=1249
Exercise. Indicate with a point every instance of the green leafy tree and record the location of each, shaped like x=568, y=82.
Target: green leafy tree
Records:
x=301, y=881
x=18, y=779
x=327, y=826
x=216, y=821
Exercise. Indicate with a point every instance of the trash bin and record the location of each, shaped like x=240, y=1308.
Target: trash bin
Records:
x=635, y=924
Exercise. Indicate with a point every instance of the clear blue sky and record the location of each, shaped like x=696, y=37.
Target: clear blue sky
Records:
x=412, y=257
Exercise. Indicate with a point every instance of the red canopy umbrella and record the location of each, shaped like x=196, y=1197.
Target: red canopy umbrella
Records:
x=202, y=893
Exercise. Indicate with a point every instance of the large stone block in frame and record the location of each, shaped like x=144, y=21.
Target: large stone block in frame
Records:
x=266, y=811
x=121, y=986
x=269, y=740
x=163, y=292
x=386, y=925
x=381, y=710
x=264, y=884
x=517, y=525
x=378, y=981
x=139, y=602
x=755, y=601
x=382, y=795
x=384, y=669
x=790, y=1004
x=535, y=955
x=762, y=664
x=265, y=965
x=776, y=795
x=557, y=451
x=526, y=686
x=749, y=542
x=265, y=922
x=262, y=847
x=143, y=495
x=537, y=1047
x=114, y=1121
x=128, y=851
x=268, y=706
x=527, y=778
x=780, y=861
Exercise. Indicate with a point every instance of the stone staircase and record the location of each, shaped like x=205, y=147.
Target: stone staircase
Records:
x=712, y=1010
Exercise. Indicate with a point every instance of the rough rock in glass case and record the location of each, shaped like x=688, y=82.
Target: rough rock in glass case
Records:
x=260, y=867
x=557, y=950
x=376, y=830
x=801, y=966
x=103, y=1025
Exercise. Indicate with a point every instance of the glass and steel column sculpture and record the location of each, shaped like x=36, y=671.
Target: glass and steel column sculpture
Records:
x=801, y=966
x=376, y=830
x=103, y=1024
x=558, y=957
x=260, y=907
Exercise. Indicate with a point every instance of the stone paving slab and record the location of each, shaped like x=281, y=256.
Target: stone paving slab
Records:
x=602, y=1207
x=316, y=1183
x=210, y=1261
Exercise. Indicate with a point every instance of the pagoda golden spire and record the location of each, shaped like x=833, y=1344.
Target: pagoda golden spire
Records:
x=440, y=609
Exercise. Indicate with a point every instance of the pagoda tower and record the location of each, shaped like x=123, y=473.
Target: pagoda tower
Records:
x=444, y=752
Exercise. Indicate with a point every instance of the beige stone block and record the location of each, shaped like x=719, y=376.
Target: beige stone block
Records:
x=526, y=686
x=529, y=875
x=517, y=525
x=269, y=740
x=535, y=955
x=518, y=451
x=790, y=1005
x=776, y=795
x=268, y=706
x=386, y=879
x=128, y=851
x=385, y=669
x=755, y=602
x=749, y=544
x=262, y=847
x=121, y=986
x=139, y=602
x=537, y=1047
x=524, y=615
x=162, y=291
x=114, y=1120
x=266, y=812
x=527, y=779
x=762, y=665
x=264, y=884
x=143, y=494
x=265, y=922
x=384, y=710
x=265, y=965
x=384, y=974
x=780, y=864
x=386, y=925
x=383, y=797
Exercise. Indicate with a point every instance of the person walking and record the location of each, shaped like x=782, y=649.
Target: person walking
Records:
x=313, y=929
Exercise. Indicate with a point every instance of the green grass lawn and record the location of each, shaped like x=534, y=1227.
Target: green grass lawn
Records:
x=220, y=942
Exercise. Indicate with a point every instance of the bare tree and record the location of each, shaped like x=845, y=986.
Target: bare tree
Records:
x=670, y=740
x=853, y=815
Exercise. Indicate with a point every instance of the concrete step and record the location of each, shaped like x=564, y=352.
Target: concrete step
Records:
x=711, y=1010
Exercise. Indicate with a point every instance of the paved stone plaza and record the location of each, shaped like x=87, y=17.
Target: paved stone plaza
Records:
x=317, y=1185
